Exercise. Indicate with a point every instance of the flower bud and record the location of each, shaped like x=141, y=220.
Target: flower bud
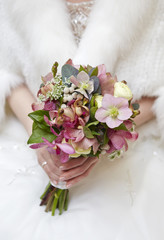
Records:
x=98, y=100
x=122, y=90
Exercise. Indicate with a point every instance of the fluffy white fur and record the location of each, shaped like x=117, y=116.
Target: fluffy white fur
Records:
x=125, y=35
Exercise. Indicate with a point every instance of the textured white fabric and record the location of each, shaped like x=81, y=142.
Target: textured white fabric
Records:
x=120, y=200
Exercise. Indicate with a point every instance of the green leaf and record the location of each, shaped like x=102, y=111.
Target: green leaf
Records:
x=121, y=127
x=68, y=71
x=82, y=69
x=92, y=101
x=92, y=112
x=93, y=71
x=87, y=132
x=38, y=133
x=38, y=116
x=135, y=106
x=54, y=68
x=106, y=139
x=92, y=123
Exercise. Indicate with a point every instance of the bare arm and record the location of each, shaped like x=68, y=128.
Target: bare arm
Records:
x=20, y=102
x=146, y=113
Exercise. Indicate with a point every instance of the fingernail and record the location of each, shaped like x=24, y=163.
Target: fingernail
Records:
x=62, y=178
x=61, y=167
x=55, y=182
x=69, y=185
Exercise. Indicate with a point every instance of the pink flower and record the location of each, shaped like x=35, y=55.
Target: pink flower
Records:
x=75, y=134
x=118, y=139
x=47, y=78
x=62, y=149
x=79, y=141
x=106, y=80
x=113, y=111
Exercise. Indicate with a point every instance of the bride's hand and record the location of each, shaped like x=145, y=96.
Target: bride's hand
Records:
x=76, y=169
x=70, y=172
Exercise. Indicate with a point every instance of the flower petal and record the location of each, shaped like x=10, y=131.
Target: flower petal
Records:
x=101, y=70
x=101, y=115
x=108, y=101
x=124, y=113
x=113, y=122
x=64, y=157
x=82, y=91
x=48, y=77
x=65, y=147
x=90, y=87
x=38, y=106
x=83, y=77
x=38, y=145
x=107, y=83
x=74, y=81
x=48, y=143
x=117, y=141
x=49, y=105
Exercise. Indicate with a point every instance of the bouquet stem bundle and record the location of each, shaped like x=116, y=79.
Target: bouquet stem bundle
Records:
x=55, y=198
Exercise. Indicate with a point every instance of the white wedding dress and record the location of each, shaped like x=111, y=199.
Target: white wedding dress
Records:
x=120, y=200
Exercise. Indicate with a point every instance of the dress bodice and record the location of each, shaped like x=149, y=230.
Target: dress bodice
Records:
x=79, y=13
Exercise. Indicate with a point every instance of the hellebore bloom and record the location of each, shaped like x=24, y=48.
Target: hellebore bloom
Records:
x=113, y=111
x=83, y=82
x=118, y=139
x=62, y=149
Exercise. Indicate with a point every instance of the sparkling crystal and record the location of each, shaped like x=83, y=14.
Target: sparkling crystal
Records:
x=79, y=13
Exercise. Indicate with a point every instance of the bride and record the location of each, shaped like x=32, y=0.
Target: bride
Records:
x=118, y=200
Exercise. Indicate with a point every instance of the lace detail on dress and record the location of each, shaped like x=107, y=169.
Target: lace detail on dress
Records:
x=79, y=13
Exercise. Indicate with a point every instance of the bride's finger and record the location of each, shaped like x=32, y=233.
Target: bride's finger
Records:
x=75, y=180
x=73, y=162
x=74, y=172
x=47, y=163
x=52, y=175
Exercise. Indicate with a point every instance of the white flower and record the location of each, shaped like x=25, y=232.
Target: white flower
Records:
x=122, y=90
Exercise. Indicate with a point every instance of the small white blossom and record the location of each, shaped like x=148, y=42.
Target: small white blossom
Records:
x=74, y=95
x=71, y=89
x=66, y=90
x=69, y=98
x=63, y=106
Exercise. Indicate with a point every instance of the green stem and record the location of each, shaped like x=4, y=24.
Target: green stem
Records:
x=66, y=200
x=46, y=189
x=49, y=203
x=55, y=202
x=61, y=202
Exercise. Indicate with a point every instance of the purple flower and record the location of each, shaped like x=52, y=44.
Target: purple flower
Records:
x=62, y=149
x=113, y=111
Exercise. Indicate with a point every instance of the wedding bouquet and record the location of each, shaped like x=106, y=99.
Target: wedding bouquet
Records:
x=83, y=111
